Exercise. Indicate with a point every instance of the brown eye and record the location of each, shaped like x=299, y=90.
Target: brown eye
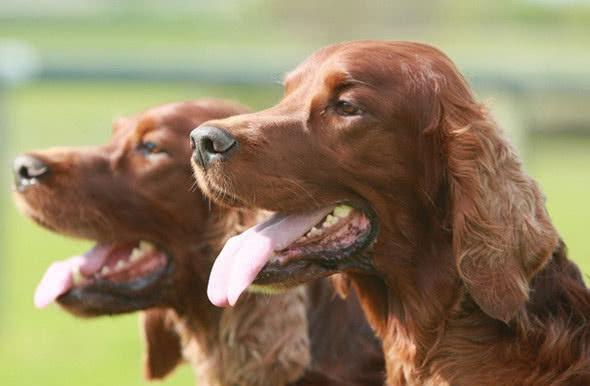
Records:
x=346, y=109
x=147, y=148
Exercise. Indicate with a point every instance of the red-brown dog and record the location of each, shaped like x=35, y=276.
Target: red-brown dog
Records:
x=156, y=238
x=379, y=162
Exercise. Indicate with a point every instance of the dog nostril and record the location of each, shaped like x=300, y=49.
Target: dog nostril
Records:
x=208, y=146
x=211, y=144
x=28, y=169
x=23, y=172
x=216, y=142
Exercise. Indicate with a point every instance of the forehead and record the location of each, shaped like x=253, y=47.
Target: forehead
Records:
x=170, y=118
x=369, y=62
x=176, y=116
x=173, y=116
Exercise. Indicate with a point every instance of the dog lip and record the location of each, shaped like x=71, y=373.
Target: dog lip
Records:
x=104, y=297
x=323, y=263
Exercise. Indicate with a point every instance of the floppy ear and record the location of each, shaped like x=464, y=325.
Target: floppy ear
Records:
x=502, y=234
x=163, y=349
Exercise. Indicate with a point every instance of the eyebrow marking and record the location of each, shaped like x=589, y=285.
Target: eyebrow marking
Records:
x=341, y=79
x=359, y=83
x=144, y=126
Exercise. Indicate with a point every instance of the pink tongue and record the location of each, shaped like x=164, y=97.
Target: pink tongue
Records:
x=58, y=277
x=244, y=256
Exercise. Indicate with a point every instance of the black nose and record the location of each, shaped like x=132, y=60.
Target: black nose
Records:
x=211, y=144
x=28, y=170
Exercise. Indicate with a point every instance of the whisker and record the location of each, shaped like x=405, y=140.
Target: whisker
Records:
x=301, y=188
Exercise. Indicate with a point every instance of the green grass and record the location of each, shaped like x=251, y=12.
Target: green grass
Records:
x=52, y=348
x=160, y=41
x=562, y=167
x=502, y=47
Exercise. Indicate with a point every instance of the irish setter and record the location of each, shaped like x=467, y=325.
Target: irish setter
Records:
x=379, y=162
x=156, y=239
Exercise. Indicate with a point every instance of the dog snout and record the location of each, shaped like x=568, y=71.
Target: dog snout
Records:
x=28, y=170
x=210, y=144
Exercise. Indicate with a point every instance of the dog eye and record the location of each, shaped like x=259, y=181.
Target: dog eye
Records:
x=147, y=148
x=346, y=109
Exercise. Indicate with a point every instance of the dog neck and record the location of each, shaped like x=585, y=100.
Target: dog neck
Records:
x=249, y=345
x=409, y=321
x=433, y=331
x=261, y=341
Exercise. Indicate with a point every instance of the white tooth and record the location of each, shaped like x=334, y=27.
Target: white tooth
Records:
x=120, y=264
x=342, y=211
x=77, y=277
x=105, y=270
x=314, y=231
x=330, y=220
x=136, y=254
x=146, y=246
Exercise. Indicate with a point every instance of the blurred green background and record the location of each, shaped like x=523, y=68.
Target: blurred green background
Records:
x=71, y=67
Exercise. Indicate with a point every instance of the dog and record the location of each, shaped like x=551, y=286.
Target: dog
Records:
x=380, y=163
x=155, y=242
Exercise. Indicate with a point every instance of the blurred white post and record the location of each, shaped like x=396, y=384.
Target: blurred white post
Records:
x=18, y=63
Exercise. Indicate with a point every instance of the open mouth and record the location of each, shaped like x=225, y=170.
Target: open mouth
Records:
x=291, y=248
x=106, y=274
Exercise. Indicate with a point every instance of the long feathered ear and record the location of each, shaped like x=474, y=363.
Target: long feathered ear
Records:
x=163, y=350
x=502, y=234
